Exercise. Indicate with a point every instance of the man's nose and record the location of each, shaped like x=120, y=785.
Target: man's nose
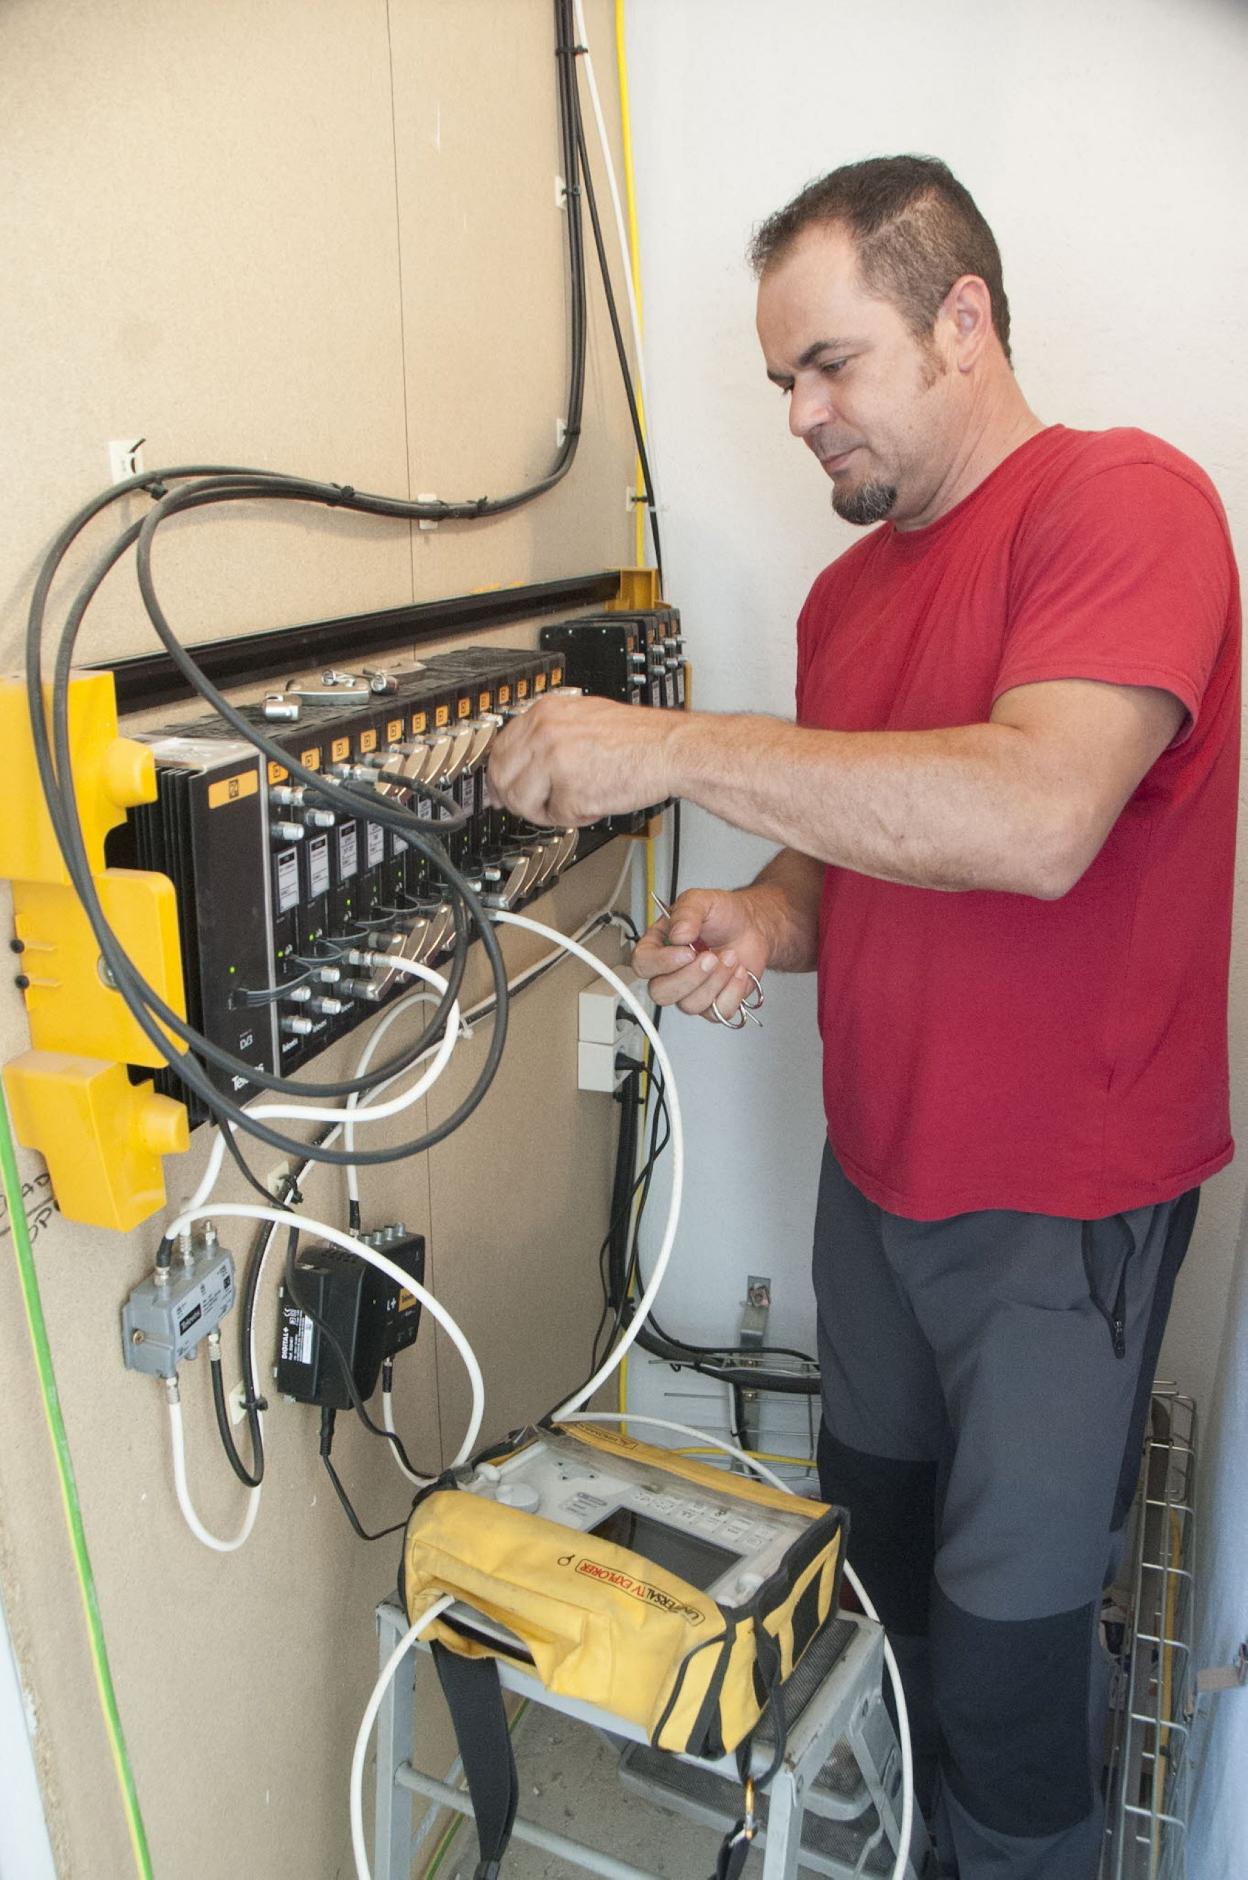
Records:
x=810, y=405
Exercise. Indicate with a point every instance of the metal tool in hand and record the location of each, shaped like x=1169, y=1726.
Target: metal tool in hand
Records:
x=749, y=1007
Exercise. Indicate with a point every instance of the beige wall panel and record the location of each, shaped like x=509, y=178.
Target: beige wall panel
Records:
x=485, y=299
x=197, y=212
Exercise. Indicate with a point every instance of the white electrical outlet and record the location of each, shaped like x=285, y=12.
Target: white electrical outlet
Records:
x=125, y=458
x=596, y=1016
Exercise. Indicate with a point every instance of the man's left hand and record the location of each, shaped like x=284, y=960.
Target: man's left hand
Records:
x=570, y=760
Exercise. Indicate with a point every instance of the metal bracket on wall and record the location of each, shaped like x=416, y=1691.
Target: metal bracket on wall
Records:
x=1225, y=1677
x=753, y=1334
x=101, y=1135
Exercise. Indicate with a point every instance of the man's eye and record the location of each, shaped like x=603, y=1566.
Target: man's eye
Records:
x=833, y=366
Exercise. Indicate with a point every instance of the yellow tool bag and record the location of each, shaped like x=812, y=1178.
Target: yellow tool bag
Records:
x=612, y=1624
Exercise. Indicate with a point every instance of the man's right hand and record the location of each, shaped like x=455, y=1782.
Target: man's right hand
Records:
x=724, y=924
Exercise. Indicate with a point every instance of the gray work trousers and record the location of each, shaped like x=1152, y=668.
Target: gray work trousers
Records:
x=985, y=1383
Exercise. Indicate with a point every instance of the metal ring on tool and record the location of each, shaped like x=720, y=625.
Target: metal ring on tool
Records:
x=756, y=1001
x=720, y=1019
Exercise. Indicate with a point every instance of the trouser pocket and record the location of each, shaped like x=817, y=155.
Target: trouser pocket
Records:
x=1108, y=1245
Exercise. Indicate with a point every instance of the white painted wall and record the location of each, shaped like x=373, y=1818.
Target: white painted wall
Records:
x=25, y=1850
x=1108, y=147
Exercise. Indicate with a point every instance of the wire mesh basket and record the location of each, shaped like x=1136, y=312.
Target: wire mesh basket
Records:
x=1148, y=1761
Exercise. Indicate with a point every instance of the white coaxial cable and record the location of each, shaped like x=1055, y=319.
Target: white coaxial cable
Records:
x=284, y=1217
x=648, y=1026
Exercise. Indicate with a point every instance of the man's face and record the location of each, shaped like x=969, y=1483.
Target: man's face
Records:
x=880, y=410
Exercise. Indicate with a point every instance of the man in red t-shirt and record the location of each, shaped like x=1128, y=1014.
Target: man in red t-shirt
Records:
x=1008, y=811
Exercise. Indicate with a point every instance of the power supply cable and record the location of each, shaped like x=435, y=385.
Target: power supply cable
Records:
x=707, y=1360
x=329, y=1417
x=67, y=1482
x=358, y=1404
x=621, y=1266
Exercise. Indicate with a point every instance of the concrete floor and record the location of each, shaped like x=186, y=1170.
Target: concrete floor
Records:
x=569, y=1784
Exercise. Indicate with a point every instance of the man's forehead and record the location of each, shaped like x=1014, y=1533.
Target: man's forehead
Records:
x=812, y=298
x=818, y=271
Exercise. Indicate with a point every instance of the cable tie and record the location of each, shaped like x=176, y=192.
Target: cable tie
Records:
x=294, y=1196
x=252, y=1402
x=346, y=494
x=571, y=430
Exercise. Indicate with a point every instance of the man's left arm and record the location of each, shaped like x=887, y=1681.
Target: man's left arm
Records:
x=1020, y=804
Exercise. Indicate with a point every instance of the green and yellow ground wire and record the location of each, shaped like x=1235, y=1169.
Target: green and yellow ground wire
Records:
x=69, y=1494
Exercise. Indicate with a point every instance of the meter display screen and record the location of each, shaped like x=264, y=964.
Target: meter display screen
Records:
x=687, y=1555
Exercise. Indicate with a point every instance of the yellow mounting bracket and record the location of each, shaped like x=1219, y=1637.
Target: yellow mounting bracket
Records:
x=639, y=592
x=101, y=1135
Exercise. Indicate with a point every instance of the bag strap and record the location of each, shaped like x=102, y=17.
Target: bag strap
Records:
x=474, y=1697
x=735, y=1848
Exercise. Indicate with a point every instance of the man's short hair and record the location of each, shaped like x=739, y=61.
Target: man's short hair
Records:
x=916, y=230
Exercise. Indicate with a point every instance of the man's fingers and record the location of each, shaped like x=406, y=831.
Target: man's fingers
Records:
x=728, y=1002
x=712, y=980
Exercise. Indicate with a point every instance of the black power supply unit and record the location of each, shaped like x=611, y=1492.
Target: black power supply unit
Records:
x=370, y=1315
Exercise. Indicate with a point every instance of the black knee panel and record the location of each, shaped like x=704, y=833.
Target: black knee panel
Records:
x=892, y=1527
x=1011, y=1700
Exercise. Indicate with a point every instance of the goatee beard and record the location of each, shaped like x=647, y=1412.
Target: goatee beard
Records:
x=867, y=503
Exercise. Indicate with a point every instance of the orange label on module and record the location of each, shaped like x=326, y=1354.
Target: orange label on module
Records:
x=233, y=789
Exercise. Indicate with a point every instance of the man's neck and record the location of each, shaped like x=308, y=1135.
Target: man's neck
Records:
x=996, y=426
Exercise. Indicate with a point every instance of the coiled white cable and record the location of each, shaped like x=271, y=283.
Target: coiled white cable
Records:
x=894, y=1672
x=413, y=1632
x=178, y=1443
x=374, y=1112
x=177, y=1440
x=614, y=1357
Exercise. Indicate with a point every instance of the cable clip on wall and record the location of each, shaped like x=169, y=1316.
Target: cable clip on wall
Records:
x=71, y=1097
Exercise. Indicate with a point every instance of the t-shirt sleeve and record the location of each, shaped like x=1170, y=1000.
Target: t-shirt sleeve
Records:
x=1126, y=578
x=805, y=630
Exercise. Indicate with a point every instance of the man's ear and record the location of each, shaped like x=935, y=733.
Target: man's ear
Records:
x=968, y=308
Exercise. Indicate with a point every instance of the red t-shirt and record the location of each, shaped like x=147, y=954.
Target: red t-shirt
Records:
x=991, y=1050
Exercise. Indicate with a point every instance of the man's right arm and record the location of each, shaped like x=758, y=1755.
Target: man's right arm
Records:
x=774, y=922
